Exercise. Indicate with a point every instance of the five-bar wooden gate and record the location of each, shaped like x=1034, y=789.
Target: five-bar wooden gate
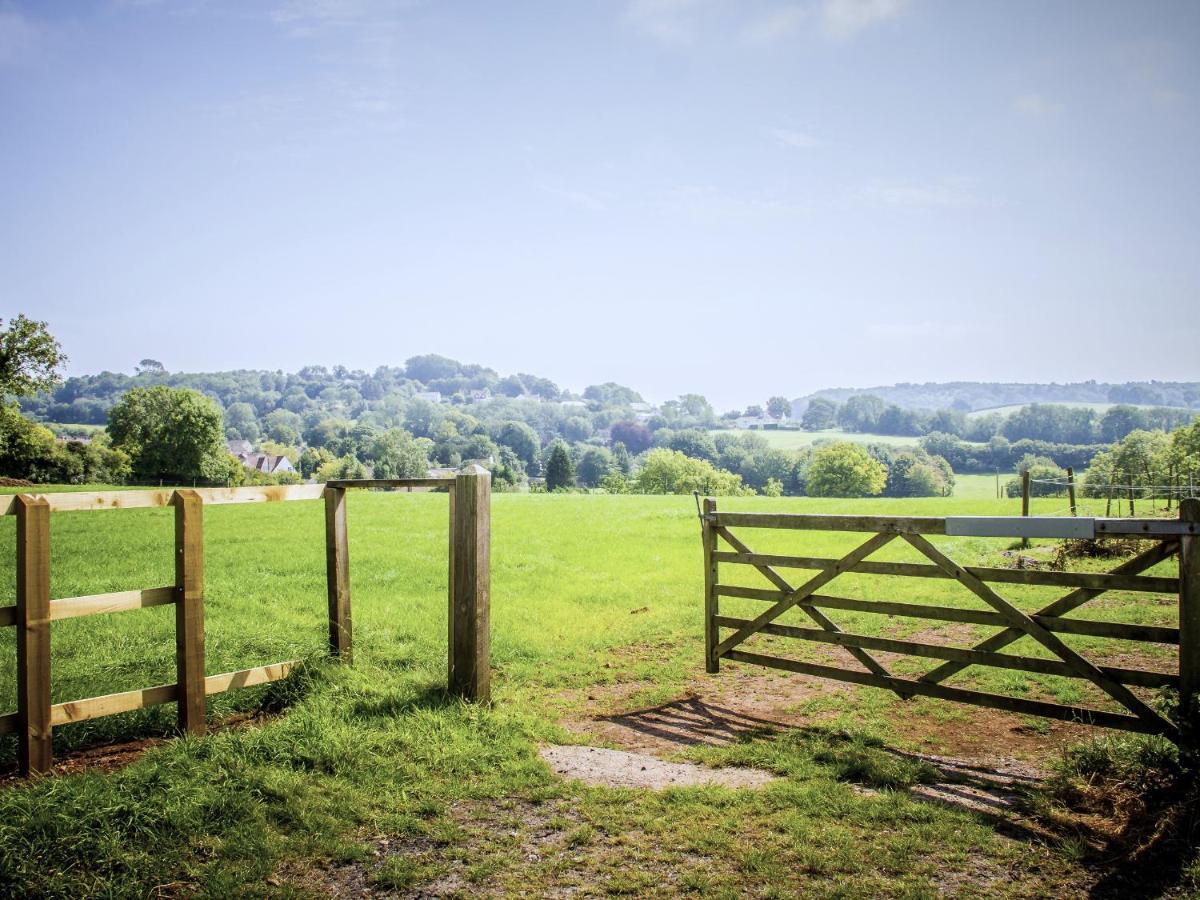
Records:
x=36, y=717
x=726, y=636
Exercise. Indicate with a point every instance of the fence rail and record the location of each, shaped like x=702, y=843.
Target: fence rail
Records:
x=36, y=717
x=726, y=636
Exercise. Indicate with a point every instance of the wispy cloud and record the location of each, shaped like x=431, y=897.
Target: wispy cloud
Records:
x=1150, y=66
x=789, y=137
x=1037, y=105
x=843, y=19
x=949, y=193
x=18, y=36
x=668, y=21
x=774, y=24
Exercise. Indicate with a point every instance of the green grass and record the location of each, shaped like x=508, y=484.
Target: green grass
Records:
x=797, y=440
x=372, y=769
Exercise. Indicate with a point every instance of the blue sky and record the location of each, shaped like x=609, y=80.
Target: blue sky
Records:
x=739, y=198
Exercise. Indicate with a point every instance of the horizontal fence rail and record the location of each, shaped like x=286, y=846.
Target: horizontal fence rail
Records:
x=726, y=636
x=34, y=611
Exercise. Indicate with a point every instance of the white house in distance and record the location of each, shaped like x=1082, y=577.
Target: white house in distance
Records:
x=267, y=463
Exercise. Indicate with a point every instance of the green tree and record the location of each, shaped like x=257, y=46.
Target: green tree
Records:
x=241, y=423
x=666, y=471
x=560, y=471
x=845, y=470
x=779, y=407
x=594, y=464
x=622, y=462
x=174, y=434
x=398, y=455
x=521, y=440
x=819, y=415
x=861, y=413
x=29, y=358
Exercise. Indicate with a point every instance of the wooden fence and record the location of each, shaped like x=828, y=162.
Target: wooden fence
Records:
x=36, y=716
x=725, y=636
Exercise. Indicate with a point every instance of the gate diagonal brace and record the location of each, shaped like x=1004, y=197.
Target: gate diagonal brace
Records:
x=1065, y=604
x=1050, y=641
x=797, y=596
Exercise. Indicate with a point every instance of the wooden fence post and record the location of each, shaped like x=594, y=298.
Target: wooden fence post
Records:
x=189, y=609
x=337, y=573
x=1189, y=626
x=712, y=663
x=1071, y=489
x=35, y=754
x=1025, y=501
x=470, y=585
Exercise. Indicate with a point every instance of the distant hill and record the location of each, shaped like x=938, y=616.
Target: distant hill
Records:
x=969, y=396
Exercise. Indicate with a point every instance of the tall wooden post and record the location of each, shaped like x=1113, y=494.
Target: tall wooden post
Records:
x=1189, y=624
x=470, y=584
x=1025, y=501
x=189, y=609
x=1071, y=488
x=337, y=573
x=712, y=664
x=33, y=635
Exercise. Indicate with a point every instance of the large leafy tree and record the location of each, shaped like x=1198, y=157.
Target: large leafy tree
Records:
x=820, y=414
x=779, y=407
x=173, y=434
x=845, y=470
x=30, y=358
x=397, y=455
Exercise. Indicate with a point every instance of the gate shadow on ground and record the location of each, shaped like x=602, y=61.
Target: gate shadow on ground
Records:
x=1139, y=860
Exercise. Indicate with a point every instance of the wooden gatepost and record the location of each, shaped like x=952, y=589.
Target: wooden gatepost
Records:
x=469, y=574
x=730, y=638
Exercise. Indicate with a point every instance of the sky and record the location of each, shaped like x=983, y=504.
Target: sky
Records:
x=739, y=198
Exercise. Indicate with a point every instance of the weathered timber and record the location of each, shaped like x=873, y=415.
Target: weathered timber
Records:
x=1189, y=625
x=120, y=601
x=1098, y=581
x=1155, y=634
x=189, y=609
x=82, y=501
x=470, y=585
x=1157, y=553
x=1080, y=714
x=1140, y=677
x=111, y=704
x=712, y=662
x=821, y=522
x=337, y=573
x=1047, y=639
x=227, y=681
x=34, y=754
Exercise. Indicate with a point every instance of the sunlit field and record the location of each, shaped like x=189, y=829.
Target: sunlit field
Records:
x=588, y=592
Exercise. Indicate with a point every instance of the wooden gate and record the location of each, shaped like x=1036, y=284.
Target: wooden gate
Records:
x=726, y=637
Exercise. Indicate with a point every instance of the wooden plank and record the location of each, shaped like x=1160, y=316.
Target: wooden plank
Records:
x=111, y=704
x=1079, y=714
x=1153, y=634
x=470, y=593
x=218, y=684
x=80, y=501
x=712, y=662
x=1047, y=639
x=1189, y=625
x=1018, y=526
x=34, y=734
x=189, y=609
x=120, y=601
x=337, y=573
x=1064, y=604
x=821, y=522
x=1098, y=581
x=793, y=595
x=9, y=722
x=1147, y=528
x=1140, y=677
x=390, y=483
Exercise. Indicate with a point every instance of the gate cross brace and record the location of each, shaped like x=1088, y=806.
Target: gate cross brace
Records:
x=1020, y=621
x=797, y=595
x=1160, y=551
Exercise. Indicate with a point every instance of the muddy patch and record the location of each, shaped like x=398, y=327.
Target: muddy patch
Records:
x=620, y=768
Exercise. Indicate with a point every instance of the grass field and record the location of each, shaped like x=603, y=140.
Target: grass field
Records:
x=369, y=776
x=797, y=440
